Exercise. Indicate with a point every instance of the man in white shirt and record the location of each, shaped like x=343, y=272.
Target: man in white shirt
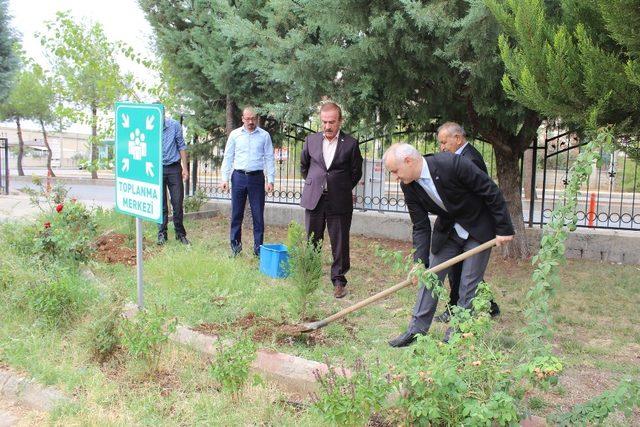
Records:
x=248, y=164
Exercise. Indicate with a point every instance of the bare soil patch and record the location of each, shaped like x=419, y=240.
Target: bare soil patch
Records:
x=263, y=329
x=114, y=248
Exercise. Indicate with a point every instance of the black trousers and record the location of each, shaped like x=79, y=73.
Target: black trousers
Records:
x=172, y=180
x=338, y=226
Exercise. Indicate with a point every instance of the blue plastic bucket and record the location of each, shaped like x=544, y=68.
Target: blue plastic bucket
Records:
x=274, y=260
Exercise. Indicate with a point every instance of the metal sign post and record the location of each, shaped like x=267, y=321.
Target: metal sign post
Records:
x=139, y=169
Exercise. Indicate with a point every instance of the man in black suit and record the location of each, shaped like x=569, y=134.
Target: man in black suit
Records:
x=331, y=165
x=470, y=210
x=453, y=138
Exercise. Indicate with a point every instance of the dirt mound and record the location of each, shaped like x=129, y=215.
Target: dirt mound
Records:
x=113, y=248
x=263, y=329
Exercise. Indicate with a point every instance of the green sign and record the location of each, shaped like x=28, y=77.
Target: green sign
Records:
x=139, y=160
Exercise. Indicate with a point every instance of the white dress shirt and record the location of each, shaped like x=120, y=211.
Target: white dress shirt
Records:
x=426, y=182
x=329, y=149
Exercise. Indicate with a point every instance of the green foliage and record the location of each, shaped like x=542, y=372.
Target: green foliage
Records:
x=59, y=302
x=194, y=202
x=305, y=266
x=578, y=62
x=44, y=197
x=463, y=382
x=67, y=235
x=552, y=249
x=8, y=59
x=86, y=73
x=542, y=370
x=144, y=335
x=231, y=365
x=625, y=397
x=351, y=398
x=102, y=335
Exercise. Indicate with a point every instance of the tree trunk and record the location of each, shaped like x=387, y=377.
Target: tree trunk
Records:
x=94, y=141
x=49, y=153
x=20, y=148
x=509, y=178
x=231, y=123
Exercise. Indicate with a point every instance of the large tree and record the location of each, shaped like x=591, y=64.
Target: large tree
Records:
x=8, y=59
x=580, y=62
x=85, y=63
x=398, y=60
x=40, y=102
x=209, y=61
x=14, y=107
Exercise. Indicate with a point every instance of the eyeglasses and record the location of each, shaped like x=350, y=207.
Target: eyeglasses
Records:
x=250, y=119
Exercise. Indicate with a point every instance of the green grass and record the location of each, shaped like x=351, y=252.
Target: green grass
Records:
x=597, y=324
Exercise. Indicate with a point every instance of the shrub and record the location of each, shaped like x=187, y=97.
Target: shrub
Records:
x=305, y=266
x=464, y=382
x=66, y=234
x=102, y=336
x=144, y=335
x=194, y=202
x=59, y=302
x=351, y=400
x=231, y=366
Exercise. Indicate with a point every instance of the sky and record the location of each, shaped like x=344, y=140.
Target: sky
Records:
x=122, y=20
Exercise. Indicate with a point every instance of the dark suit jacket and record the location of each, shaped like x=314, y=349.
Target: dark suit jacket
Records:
x=343, y=174
x=471, y=198
x=470, y=152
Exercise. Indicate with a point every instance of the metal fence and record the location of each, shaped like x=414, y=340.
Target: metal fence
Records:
x=615, y=187
x=4, y=166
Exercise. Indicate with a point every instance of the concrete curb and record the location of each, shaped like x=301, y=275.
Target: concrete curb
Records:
x=290, y=373
x=619, y=246
x=29, y=392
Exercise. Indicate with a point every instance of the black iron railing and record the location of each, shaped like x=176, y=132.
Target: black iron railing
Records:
x=607, y=201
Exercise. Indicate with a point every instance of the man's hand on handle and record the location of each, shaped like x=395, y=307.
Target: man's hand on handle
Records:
x=503, y=240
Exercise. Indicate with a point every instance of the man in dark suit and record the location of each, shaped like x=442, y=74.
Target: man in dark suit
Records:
x=470, y=210
x=331, y=165
x=453, y=138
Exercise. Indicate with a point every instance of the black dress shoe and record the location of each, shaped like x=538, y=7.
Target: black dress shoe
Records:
x=162, y=239
x=403, y=340
x=443, y=317
x=494, y=311
x=236, y=249
x=183, y=240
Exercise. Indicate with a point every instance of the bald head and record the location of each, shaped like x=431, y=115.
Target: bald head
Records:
x=403, y=161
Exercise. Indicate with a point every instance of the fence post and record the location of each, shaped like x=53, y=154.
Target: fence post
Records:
x=5, y=147
x=532, y=191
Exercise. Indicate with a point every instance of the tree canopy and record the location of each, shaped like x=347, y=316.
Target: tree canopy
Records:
x=8, y=58
x=385, y=61
x=579, y=62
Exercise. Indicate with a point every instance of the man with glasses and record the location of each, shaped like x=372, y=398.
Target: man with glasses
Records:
x=249, y=165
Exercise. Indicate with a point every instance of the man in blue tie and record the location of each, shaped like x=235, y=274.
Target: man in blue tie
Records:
x=249, y=165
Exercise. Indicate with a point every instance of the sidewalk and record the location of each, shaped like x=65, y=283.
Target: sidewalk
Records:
x=18, y=206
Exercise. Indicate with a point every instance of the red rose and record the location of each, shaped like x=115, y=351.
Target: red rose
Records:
x=59, y=207
x=47, y=224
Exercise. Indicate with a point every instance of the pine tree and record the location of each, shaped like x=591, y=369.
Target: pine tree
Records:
x=8, y=59
x=581, y=64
